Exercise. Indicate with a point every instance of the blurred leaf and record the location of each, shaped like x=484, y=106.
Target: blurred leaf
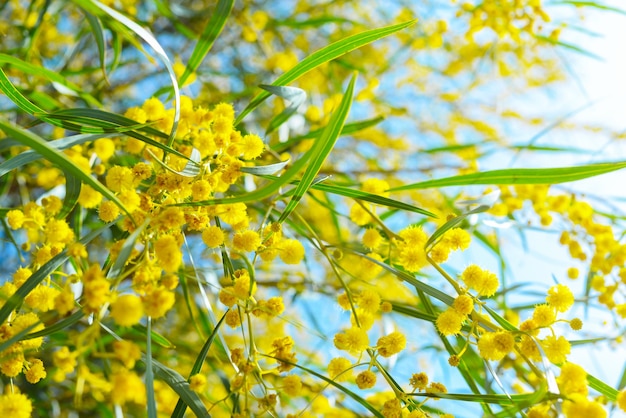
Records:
x=60, y=326
x=53, y=76
x=210, y=33
x=571, y=47
x=519, y=176
x=314, y=22
x=602, y=387
x=593, y=4
x=98, y=34
x=322, y=56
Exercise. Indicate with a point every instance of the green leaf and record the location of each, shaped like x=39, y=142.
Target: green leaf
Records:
x=179, y=411
x=60, y=144
x=569, y=46
x=51, y=154
x=293, y=95
x=321, y=149
x=53, y=76
x=500, y=320
x=60, y=326
x=141, y=330
x=519, y=400
x=126, y=250
x=324, y=55
x=151, y=401
x=602, y=387
x=191, y=169
x=592, y=4
x=210, y=33
x=180, y=385
x=72, y=191
x=452, y=223
x=98, y=34
x=519, y=176
x=16, y=97
x=361, y=195
x=410, y=279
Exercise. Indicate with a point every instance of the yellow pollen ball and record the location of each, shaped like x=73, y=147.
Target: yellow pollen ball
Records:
x=246, y=241
x=338, y=369
x=15, y=405
x=127, y=310
x=108, y=211
x=366, y=380
x=391, y=344
x=449, y=322
x=291, y=251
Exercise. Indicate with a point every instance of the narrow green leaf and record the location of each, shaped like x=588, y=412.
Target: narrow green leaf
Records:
x=500, y=320
x=151, y=401
x=98, y=34
x=53, y=76
x=179, y=410
x=16, y=97
x=410, y=279
x=569, y=46
x=372, y=198
x=520, y=176
x=210, y=33
x=452, y=223
x=60, y=144
x=525, y=399
x=126, y=250
x=51, y=154
x=322, y=56
x=141, y=330
x=180, y=385
x=191, y=169
x=413, y=312
x=103, y=121
x=72, y=191
x=322, y=148
x=592, y=4
x=16, y=338
x=602, y=387
x=60, y=326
